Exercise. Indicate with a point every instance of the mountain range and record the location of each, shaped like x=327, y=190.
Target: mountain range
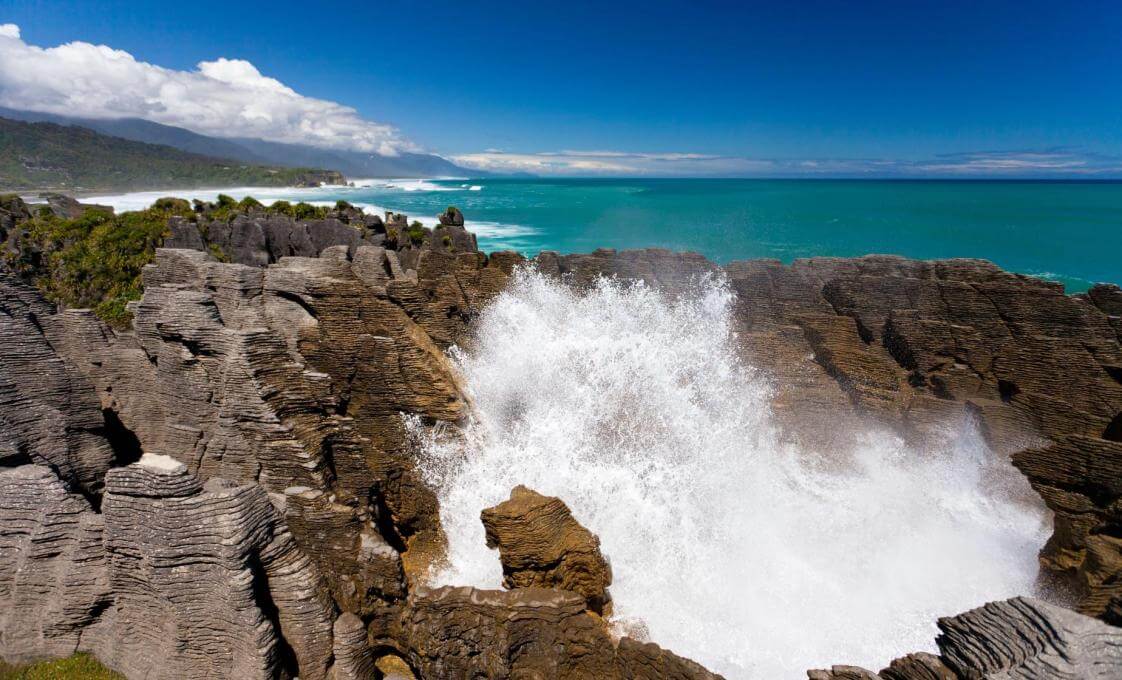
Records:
x=353, y=164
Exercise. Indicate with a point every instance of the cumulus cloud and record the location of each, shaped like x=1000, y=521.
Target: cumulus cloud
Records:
x=224, y=97
x=1048, y=163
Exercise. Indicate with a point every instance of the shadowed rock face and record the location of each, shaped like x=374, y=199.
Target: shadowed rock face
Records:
x=540, y=544
x=228, y=490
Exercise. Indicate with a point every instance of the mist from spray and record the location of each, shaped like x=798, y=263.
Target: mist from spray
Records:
x=750, y=555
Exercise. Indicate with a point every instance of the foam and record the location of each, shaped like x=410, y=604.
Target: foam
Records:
x=733, y=548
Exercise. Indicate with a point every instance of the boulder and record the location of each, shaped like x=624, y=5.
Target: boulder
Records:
x=541, y=545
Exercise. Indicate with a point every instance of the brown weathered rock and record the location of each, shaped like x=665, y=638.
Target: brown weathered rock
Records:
x=843, y=673
x=1080, y=478
x=524, y=633
x=354, y=660
x=452, y=217
x=540, y=544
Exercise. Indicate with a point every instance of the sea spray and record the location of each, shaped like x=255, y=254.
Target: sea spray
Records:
x=728, y=545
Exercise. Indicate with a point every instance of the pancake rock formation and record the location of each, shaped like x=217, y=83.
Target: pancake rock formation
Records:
x=1017, y=638
x=228, y=488
x=540, y=544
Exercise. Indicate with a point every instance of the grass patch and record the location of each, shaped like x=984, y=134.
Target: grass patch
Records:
x=77, y=667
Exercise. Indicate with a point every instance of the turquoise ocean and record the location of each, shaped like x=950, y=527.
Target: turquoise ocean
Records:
x=1069, y=232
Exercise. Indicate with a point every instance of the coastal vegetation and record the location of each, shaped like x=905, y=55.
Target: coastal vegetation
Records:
x=77, y=667
x=86, y=256
x=46, y=155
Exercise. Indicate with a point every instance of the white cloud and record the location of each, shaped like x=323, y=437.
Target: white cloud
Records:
x=613, y=163
x=1013, y=162
x=980, y=164
x=224, y=97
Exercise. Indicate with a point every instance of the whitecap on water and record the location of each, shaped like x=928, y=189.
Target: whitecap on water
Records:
x=724, y=541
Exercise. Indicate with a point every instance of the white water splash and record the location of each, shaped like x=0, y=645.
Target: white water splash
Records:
x=732, y=548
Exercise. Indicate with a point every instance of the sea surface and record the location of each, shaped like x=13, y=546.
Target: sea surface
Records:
x=1065, y=231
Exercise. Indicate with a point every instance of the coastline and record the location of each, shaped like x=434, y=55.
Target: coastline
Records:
x=1036, y=228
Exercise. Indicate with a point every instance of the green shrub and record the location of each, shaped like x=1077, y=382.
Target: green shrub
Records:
x=343, y=205
x=307, y=211
x=416, y=232
x=250, y=203
x=282, y=208
x=217, y=252
x=93, y=261
x=174, y=206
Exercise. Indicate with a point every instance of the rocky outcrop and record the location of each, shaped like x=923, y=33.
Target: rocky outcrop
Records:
x=540, y=544
x=317, y=178
x=452, y=217
x=524, y=633
x=69, y=208
x=1080, y=479
x=1017, y=638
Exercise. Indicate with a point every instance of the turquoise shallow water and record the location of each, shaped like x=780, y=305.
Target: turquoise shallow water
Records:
x=1066, y=231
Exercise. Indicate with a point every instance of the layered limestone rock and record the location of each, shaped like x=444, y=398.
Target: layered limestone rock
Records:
x=49, y=414
x=206, y=580
x=524, y=633
x=1018, y=638
x=54, y=582
x=172, y=579
x=1080, y=478
x=540, y=544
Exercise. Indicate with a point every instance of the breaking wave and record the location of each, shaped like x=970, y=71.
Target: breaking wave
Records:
x=728, y=545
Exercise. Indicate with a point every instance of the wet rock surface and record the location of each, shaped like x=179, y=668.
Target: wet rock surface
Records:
x=228, y=489
x=540, y=544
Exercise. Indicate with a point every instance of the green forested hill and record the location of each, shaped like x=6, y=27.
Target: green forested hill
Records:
x=49, y=156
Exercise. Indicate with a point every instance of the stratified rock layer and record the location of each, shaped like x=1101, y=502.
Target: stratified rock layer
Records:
x=525, y=633
x=171, y=580
x=540, y=544
x=1021, y=638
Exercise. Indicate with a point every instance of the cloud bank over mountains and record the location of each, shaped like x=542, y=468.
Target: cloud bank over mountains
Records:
x=224, y=97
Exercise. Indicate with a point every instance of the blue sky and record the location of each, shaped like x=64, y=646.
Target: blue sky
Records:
x=973, y=88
